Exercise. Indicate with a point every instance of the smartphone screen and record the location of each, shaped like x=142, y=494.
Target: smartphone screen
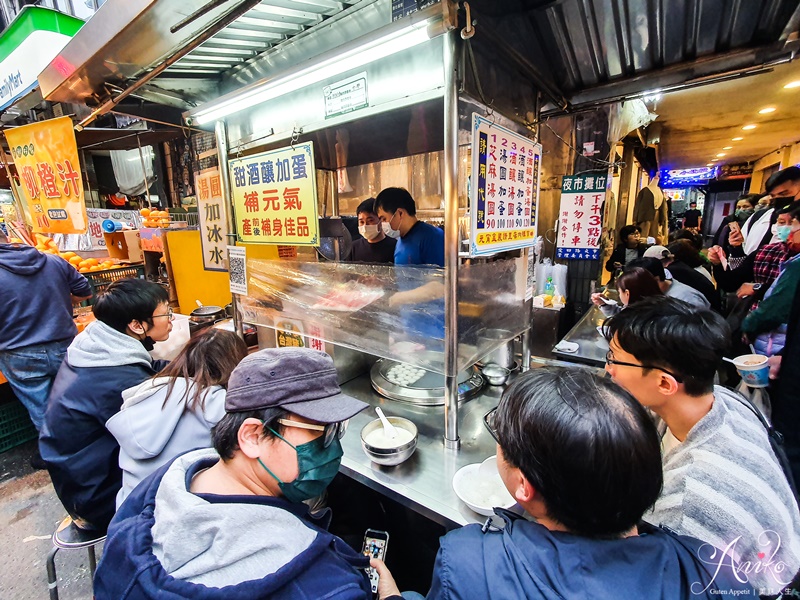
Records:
x=375, y=543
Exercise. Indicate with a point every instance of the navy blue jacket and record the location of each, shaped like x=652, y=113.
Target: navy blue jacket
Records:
x=81, y=454
x=130, y=571
x=526, y=560
x=36, y=290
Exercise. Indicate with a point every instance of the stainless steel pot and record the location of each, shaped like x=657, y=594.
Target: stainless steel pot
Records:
x=503, y=354
x=207, y=314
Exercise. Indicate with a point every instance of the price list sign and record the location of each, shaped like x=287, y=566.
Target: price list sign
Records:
x=212, y=219
x=580, y=217
x=275, y=197
x=504, y=188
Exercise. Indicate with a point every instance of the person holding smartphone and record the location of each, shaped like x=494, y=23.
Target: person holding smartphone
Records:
x=230, y=522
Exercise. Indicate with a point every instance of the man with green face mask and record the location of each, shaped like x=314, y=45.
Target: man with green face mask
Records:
x=230, y=522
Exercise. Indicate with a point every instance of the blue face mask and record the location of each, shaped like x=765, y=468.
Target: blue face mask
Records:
x=783, y=232
x=317, y=466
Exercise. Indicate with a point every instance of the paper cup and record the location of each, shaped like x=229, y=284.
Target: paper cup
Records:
x=753, y=369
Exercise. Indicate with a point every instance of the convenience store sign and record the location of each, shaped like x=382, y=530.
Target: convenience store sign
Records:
x=28, y=45
x=275, y=197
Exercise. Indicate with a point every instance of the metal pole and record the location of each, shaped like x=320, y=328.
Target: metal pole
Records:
x=451, y=439
x=221, y=132
x=144, y=172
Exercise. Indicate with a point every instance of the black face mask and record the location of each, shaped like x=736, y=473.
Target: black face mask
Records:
x=781, y=203
x=148, y=343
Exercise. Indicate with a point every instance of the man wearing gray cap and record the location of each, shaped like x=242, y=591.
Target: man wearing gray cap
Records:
x=229, y=522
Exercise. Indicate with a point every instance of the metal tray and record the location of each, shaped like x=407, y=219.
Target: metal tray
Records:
x=428, y=390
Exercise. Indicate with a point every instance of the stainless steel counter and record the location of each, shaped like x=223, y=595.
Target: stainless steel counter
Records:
x=592, y=347
x=424, y=482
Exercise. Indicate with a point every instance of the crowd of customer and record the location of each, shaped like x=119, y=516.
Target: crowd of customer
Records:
x=650, y=482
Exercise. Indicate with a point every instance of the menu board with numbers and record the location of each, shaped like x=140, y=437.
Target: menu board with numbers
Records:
x=581, y=215
x=275, y=197
x=504, y=188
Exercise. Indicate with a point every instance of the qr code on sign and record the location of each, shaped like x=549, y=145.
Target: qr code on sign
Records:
x=237, y=269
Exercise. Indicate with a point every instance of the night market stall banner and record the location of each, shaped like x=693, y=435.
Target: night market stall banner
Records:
x=46, y=157
x=275, y=197
x=580, y=217
x=504, y=188
x=212, y=217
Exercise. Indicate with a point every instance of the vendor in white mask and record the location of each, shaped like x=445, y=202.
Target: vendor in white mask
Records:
x=373, y=246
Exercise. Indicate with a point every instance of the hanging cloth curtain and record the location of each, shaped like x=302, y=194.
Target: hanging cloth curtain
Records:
x=128, y=170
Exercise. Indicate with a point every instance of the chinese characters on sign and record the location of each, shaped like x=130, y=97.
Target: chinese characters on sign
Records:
x=96, y=216
x=580, y=220
x=212, y=217
x=275, y=195
x=46, y=157
x=505, y=186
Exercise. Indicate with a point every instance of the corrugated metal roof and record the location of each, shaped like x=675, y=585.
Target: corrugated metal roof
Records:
x=583, y=44
x=264, y=26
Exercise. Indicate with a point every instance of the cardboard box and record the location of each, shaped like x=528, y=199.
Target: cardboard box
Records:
x=124, y=245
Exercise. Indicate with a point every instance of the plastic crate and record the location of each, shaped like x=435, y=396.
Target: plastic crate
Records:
x=15, y=425
x=100, y=280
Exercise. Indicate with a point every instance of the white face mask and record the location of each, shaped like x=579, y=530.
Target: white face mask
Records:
x=387, y=228
x=369, y=232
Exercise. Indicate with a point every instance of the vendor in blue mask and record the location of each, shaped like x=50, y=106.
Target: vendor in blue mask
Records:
x=229, y=521
x=420, y=296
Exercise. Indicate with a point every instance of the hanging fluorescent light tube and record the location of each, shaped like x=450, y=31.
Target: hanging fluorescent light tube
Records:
x=403, y=39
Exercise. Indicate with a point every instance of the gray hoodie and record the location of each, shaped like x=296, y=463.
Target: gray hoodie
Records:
x=151, y=432
x=224, y=543
x=102, y=346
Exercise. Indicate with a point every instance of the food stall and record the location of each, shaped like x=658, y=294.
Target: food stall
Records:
x=417, y=360
x=361, y=101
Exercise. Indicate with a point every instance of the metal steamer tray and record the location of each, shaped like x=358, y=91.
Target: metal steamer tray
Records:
x=428, y=390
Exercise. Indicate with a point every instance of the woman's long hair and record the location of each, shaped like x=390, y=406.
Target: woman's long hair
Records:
x=639, y=283
x=207, y=360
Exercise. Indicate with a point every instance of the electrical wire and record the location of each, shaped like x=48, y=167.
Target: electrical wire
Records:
x=598, y=161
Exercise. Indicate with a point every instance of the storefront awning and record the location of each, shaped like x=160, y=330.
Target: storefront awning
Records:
x=127, y=39
x=33, y=39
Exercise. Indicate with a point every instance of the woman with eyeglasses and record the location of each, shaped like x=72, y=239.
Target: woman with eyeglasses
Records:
x=174, y=411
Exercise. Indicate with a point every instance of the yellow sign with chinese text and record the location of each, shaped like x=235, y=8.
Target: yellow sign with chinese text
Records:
x=46, y=157
x=275, y=197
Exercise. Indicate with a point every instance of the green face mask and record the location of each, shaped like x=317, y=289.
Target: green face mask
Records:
x=317, y=466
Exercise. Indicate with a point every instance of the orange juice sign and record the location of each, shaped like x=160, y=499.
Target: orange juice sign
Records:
x=275, y=196
x=46, y=157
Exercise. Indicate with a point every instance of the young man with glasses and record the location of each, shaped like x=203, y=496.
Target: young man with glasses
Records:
x=109, y=356
x=230, y=522
x=722, y=481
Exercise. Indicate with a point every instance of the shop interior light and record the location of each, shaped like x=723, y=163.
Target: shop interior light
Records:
x=737, y=139
x=360, y=56
x=727, y=147
x=766, y=110
x=710, y=165
x=792, y=84
x=713, y=160
x=748, y=127
x=720, y=155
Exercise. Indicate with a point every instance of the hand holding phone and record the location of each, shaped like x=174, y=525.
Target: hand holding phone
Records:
x=375, y=543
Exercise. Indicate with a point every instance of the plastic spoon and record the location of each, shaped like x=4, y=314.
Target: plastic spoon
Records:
x=388, y=428
x=730, y=360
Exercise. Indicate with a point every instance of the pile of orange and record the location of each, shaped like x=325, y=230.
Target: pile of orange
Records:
x=155, y=218
x=89, y=265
